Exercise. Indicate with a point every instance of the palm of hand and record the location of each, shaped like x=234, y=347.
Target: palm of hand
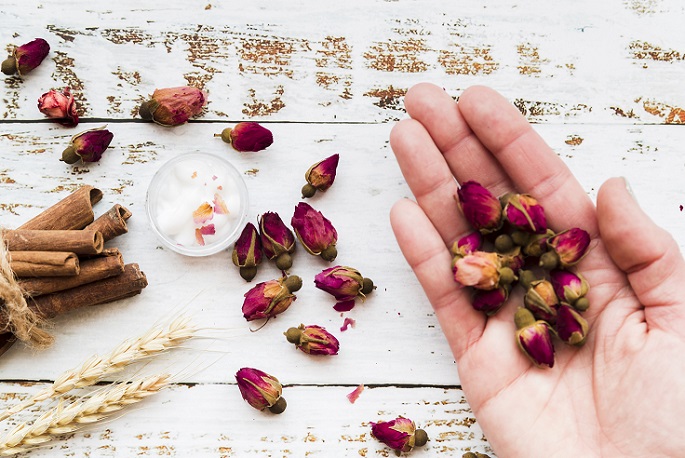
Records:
x=621, y=393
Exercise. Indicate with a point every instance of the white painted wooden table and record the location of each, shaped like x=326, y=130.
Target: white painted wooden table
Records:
x=603, y=82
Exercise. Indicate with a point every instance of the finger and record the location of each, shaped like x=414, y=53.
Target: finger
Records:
x=465, y=155
x=428, y=177
x=647, y=253
x=428, y=257
x=531, y=165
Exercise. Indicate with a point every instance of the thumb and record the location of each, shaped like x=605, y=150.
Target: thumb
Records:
x=647, y=253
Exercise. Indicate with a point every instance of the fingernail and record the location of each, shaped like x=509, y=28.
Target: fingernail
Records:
x=629, y=188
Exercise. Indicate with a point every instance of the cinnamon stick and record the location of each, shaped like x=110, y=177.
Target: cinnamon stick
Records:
x=111, y=223
x=129, y=283
x=79, y=242
x=92, y=269
x=73, y=212
x=44, y=263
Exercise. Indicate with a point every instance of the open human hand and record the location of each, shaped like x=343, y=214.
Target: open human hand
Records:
x=623, y=392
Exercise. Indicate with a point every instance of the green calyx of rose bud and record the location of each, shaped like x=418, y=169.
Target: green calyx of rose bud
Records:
x=284, y=261
x=526, y=278
x=293, y=283
x=504, y=243
x=549, y=260
x=367, y=286
x=523, y=318
x=248, y=273
x=147, y=110
x=506, y=276
x=70, y=156
x=581, y=304
x=225, y=135
x=294, y=335
x=279, y=406
x=9, y=66
x=308, y=190
x=420, y=438
x=520, y=238
x=330, y=253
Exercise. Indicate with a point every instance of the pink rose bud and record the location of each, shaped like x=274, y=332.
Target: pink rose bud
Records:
x=525, y=213
x=247, y=136
x=399, y=434
x=87, y=146
x=481, y=209
x=173, y=106
x=59, y=106
x=345, y=284
x=570, y=326
x=26, y=57
x=277, y=240
x=534, y=338
x=569, y=286
x=320, y=176
x=270, y=298
x=260, y=390
x=247, y=252
x=313, y=340
x=542, y=300
x=566, y=249
x=482, y=270
x=489, y=302
x=316, y=233
x=467, y=244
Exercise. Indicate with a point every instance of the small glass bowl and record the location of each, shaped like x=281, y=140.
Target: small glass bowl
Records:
x=186, y=202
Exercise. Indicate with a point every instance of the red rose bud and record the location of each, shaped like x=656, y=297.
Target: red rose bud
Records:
x=270, y=298
x=489, y=302
x=313, y=340
x=247, y=136
x=482, y=270
x=534, y=338
x=320, y=176
x=525, y=213
x=467, y=244
x=173, y=106
x=542, y=300
x=59, y=106
x=399, y=434
x=26, y=57
x=277, y=240
x=567, y=248
x=481, y=209
x=345, y=284
x=87, y=146
x=569, y=286
x=260, y=390
x=247, y=252
x=316, y=233
x=570, y=326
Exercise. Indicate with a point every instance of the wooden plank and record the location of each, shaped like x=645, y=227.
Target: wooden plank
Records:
x=616, y=62
x=213, y=421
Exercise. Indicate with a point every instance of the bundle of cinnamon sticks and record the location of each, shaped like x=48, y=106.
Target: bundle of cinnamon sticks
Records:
x=59, y=261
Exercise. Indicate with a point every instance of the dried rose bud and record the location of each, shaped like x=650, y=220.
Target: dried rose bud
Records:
x=320, y=176
x=534, y=338
x=542, y=300
x=569, y=286
x=260, y=390
x=26, y=57
x=570, y=326
x=536, y=245
x=489, y=302
x=313, y=340
x=277, y=240
x=314, y=231
x=482, y=270
x=247, y=252
x=481, y=209
x=345, y=284
x=247, y=136
x=515, y=260
x=59, y=106
x=173, y=106
x=566, y=249
x=525, y=213
x=87, y=146
x=270, y=298
x=399, y=434
x=467, y=244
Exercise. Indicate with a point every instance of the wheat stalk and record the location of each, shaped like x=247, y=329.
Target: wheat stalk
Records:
x=69, y=417
x=156, y=340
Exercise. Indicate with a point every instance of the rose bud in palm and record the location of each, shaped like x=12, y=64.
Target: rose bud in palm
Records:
x=534, y=338
x=260, y=390
x=399, y=434
x=482, y=270
x=489, y=302
x=26, y=57
x=247, y=136
x=345, y=284
x=541, y=299
x=467, y=244
x=525, y=213
x=87, y=146
x=570, y=288
x=247, y=252
x=173, y=106
x=277, y=240
x=565, y=249
x=314, y=231
x=59, y=106
x=480, y=207
x=320, y=176
x=270, y=298
x=570, y=326
x=313, y=340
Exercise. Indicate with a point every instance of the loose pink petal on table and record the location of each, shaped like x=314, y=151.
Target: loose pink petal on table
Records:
x=347, y=323
x=353, y=396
